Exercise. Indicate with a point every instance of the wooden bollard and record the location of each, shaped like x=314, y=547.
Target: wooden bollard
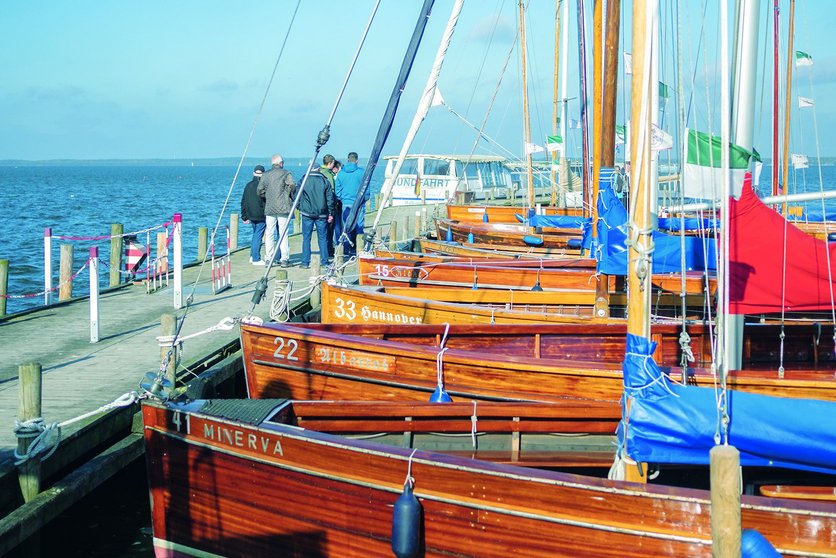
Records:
x=202, y=242
x=281, y=276
x=359, y=243
x=65, y=292
x=297, y=222
x=116, y=230
x=339, y=256
x=393, y=236
x=168, y=321
x=233, y=231
x=423, y=196
x=417, y=224
x=406, y=228
x=162, y=253
x=725, y=501
x=423, y=220
x=4, y=285
x=30, y=381
x=377, y=198
x=316, y=293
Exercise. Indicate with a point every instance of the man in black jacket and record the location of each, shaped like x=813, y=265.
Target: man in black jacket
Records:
x=252, y=211
x=317, y=207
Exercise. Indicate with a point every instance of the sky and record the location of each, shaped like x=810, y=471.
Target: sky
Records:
x=186, y=79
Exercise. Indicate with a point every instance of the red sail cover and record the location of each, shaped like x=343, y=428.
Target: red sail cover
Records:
x=756, y=261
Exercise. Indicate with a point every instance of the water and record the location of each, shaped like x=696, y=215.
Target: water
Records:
x=85, y=199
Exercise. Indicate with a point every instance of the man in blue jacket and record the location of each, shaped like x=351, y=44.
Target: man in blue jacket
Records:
x=347, y=184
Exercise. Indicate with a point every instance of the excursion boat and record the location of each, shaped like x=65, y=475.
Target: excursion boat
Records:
x=504, y=362
x=268, y=478
x=437, y=178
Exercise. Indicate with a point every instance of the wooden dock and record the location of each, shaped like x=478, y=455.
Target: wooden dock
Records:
x=79, y=376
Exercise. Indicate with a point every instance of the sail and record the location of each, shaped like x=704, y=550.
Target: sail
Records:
x=761, y=265
x=611, y=251
x=666, y=422
x=430, y=97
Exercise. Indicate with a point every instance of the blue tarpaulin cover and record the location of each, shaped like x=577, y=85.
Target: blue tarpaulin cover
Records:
x=671, y=423
x=691, y=224
x=558, y=221
x=611, y=251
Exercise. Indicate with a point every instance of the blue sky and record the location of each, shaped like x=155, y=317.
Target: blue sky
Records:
x=153, y=79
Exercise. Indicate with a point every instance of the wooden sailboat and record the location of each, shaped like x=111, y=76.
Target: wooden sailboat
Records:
x=266, y=478
x=509, y=234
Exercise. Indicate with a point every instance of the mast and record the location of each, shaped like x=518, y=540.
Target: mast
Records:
x=423, y=106
x=787, y=104
x=526, y=125
x=555, y=102
x=584, y=116
x=775, y=168
x=597, y=104
x=564, y=71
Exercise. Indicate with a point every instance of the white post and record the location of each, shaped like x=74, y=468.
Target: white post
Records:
x=94, y=294
x=47, y=265
x=178, y=261
x=229, y=257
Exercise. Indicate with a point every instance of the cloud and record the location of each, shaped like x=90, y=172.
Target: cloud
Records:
x=220, y=86
x=501, y=29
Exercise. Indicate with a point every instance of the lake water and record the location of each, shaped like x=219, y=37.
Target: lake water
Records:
x=83, y=200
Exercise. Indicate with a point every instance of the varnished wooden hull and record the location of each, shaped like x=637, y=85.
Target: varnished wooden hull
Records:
x=509, y=274
x=507, y=234
x=226, y=488
x=476, y=250
x=538, y=363
x=501, y=213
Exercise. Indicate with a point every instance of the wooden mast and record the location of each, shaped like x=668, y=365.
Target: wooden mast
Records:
x=527, y=126
x=604, y=144
x=788, y=106
x=555, y=98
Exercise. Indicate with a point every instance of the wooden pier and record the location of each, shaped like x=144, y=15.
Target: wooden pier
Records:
x=79, y=376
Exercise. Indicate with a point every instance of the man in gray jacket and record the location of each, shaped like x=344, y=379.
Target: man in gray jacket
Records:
x=277, y=188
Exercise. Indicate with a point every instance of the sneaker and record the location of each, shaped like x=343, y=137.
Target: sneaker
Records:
x=285, y=263
x=259, y=262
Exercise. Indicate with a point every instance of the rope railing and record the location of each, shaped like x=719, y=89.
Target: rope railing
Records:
x=164, y=225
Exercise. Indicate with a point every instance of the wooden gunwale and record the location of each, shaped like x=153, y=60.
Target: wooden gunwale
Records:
x=501, y=213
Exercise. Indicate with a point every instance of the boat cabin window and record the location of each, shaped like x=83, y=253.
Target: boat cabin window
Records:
x=436, y=167
x=409, y=166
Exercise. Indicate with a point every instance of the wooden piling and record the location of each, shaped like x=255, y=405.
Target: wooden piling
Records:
x=116, y=230
x=316, y=293
x=202, y=242
x=725, y=501
x=417, y=224
x=233, y=231
x=162, y=254
x=377, y=198
x=406, y=228
x=168, y=321
x=359, y=243
x=297, y=222
x=393, y=235
x=65, y=292
x=30, y=381
x=4, y=285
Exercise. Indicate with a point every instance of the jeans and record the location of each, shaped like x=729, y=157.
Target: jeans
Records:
x=255, y=243
x=348, y=249
x=278, y=223
x=308, y=224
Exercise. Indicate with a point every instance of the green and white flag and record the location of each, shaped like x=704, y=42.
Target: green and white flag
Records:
x=664, y=91
x=620, y=134
x=553, y=143
x=702, y=173
x=806, y=102
x=803, y=59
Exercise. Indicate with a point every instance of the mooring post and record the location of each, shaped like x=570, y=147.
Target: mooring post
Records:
x=359, y=243
x=406, y=228
x=116, y=230
x=168, y=321
x=161, y=268
x=29, y=408
x=316, y=293
x=281, y=281
x=424, y=220
x=233, y=231
x=94, y=294
x=297, y=223
x=725, y=501
x=4, y=285
x=338, y=255
x=47, y=265
x=376, y=205
x=417, y=224
x=65, y=274
x=202, y=242
x=177, y=240
x=393, y=236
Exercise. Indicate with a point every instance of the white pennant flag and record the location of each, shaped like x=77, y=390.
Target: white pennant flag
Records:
x=628, y=63
x=799, y=161
x=660, y=139
x=805, y=102
x=533, y=148
x=438, y=100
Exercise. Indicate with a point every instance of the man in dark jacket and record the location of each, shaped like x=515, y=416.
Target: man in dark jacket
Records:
x=252, y=211
x=317, y=207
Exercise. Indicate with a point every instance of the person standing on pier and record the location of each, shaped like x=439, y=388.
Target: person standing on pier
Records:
x=348, y=183
x=277, y=188
x=252, y=211
x=327, y=170
x=335, y=227
x=316, y=206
